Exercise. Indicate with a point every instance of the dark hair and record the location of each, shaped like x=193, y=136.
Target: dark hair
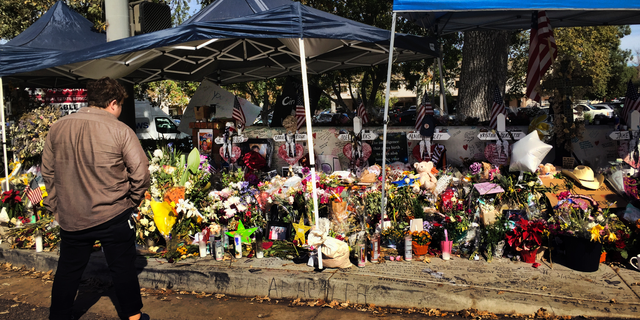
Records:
x=101, y=92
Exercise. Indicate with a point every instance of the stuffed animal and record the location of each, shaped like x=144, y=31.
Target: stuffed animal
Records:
x=486, y=171
x=547, y=169
x=426, y=179
x=399, y=166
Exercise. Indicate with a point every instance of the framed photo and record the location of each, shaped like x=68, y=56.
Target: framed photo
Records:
x=262, y=146
x=205, y=141
x=277, y=233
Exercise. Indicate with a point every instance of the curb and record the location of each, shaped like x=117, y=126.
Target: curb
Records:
x=280, y=279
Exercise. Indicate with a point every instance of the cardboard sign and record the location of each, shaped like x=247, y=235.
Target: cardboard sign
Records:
x=604, y=195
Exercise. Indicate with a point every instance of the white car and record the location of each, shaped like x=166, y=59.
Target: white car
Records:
x=603, y=109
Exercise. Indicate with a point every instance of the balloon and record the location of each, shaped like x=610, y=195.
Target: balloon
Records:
x=163, y=216
x=528, y=153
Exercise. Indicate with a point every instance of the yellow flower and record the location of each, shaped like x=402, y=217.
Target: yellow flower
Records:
x=595, y=232
x=612, y=237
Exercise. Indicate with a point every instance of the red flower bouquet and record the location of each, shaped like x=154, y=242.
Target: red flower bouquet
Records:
x=527, y=235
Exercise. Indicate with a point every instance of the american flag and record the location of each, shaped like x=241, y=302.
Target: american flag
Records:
x=362, y=113
x=238, y=114
x=542, y=51
x=300, y=114
x=631, y=102
x=425, y=109
x=497, y=108
x=34, y=193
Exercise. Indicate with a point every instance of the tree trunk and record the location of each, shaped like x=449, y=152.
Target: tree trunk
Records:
x=484, y=66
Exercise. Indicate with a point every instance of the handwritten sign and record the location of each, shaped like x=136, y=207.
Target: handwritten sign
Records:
x=236, y=139
x=436, y=136
x=620, y=135
x=503, y=135
x=396, y=148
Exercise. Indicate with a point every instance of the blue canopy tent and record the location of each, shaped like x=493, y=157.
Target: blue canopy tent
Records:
x=271, y=41
x=446, y=16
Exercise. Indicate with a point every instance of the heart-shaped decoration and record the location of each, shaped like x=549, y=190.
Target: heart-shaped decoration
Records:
x=628, y=155
x=235, y=154
x=465, y=146
x=284, y=155
x=597, y=143
x=495, y=158
x=366, y=151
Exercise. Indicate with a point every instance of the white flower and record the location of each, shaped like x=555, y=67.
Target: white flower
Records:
x=269, y=200
x=146, y=233
x=157, y=153
x=154, y=168
x=591, y=225
x=290, y=199
x=188, y=185
x=241, y=207
x=144, y=221
x=152, y=228
x=233, y=200
x=228, y=213
x=600, y=218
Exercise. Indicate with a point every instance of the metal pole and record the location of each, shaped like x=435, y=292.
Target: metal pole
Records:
x=4, y=139
x=383, y=199
x=443, y=96
x=312, y=161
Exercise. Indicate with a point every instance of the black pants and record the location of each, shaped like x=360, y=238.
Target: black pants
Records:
x=117, y=238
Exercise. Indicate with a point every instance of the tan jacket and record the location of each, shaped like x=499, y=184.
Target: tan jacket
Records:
x=94, y=168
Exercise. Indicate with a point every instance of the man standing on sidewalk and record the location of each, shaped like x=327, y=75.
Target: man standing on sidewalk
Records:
x=96, y=173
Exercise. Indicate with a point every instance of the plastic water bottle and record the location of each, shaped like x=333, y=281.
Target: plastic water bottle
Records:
x=408, y=243
x=237, y=243
x=219, y=249
x=225, y=239
x=375, y=247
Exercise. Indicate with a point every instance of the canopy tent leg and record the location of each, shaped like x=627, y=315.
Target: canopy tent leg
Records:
x=385, y=122
x=312, y=161
x=443, y=96
x=4, y=139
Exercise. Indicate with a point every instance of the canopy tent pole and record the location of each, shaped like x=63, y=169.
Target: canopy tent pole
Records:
x=443, y=96
x=4, y=139
x=312, y=161
x=383, y=199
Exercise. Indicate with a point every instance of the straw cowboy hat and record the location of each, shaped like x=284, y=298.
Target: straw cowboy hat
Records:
x=584, y=176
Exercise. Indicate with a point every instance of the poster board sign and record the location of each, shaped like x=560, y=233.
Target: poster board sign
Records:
x=396, y=148
x=603, y=195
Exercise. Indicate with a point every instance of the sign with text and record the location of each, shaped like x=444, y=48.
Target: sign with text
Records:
x=365, y=136
x=436, y=136
x=620, y=135
x=396, y=148
x=504, y=135
x=236, y=139
x=281, y=137
x=604, y=195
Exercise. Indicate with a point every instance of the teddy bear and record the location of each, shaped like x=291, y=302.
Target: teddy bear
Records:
x=547, y=169
x=426, y=179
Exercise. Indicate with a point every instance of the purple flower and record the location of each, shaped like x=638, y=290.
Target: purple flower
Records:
x=475, y=168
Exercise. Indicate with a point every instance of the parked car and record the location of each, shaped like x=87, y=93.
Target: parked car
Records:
x=602, y=109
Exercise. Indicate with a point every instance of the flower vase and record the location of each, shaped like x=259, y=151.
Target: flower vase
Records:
x=529, y=256
x=498, y=249
x=420, y=250
x=582, y=254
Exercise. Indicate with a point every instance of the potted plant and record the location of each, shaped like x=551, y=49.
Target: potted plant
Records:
x=526, y=238
x=583, y=227
x=420, y=242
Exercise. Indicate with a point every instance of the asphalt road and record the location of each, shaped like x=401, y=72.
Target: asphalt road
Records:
x=25, y=294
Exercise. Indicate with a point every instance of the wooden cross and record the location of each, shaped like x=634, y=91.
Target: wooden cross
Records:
x=565, y=87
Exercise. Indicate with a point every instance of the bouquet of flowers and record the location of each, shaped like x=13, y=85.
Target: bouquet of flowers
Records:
x=527, y=235
x=30, y=132
x=580, y=216
x=422, y=238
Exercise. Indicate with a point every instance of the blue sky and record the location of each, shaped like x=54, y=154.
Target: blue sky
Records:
x=632, y=41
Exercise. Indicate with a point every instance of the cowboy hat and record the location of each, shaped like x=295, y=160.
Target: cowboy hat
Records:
x=584, y=176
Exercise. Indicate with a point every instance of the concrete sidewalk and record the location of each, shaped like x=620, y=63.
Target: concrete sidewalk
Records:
x=502, y=286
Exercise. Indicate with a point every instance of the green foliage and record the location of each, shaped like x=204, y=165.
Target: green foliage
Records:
x=193, y=162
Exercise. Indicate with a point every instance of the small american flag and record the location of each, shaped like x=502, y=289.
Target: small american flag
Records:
x=238, y=114
x=300, y=114
x=497, y=108
x=34, y=193
x=425, y=109
x=542, y=51
x=362, y=113
x=631, y=103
